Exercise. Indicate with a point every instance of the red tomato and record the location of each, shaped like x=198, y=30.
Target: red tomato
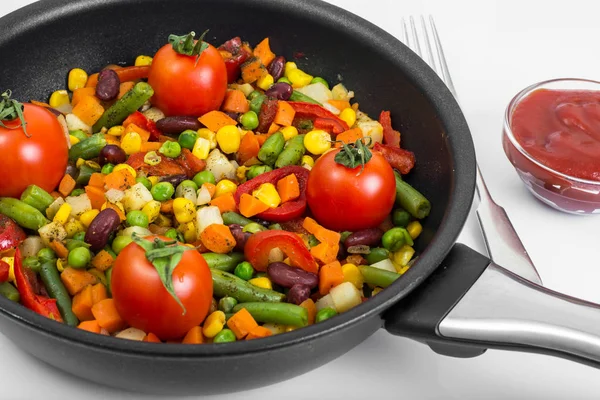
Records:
x=343, y=200
x=40, y=159
x=183, y=88
x=142, y=300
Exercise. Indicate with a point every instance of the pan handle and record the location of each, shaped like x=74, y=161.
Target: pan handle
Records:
x=470, y=304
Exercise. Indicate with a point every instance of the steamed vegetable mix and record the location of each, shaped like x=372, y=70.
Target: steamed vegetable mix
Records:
x=203, y=195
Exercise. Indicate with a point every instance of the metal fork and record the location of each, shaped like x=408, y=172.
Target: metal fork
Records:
x=503, y=244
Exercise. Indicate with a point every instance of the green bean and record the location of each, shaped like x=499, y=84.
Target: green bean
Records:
x=257, y=101
x=325, y=313
x=318, y=79
x=253, y=227
x=411, y=199
x=226, y=284
x=125, y=106
x=223, y=262
x=9, y=291
x=297, y=96
x=400, y=218
x=74, y=243
x=79, y=134
x=33, y=263
x=256, y=170
x=377, y=254
x=271, y=148
x=278, y=313
x=88, y=148
x=77, y=192
x=56, y=289
x=23, y=214
x=231, y=218
x=108, y=274
x=292, y=153
x=378, y=277
x=37, y=197
x=85, y=173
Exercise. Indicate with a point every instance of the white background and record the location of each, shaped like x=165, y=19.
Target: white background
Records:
x=494, y=49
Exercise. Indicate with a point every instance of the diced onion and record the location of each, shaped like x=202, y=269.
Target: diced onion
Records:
x=31, y=246
x=131, y=334
x=385, y=265
x=325, y=302
x=345, y=296
x=207, y=216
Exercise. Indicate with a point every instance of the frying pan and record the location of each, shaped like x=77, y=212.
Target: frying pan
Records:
x=453, y=299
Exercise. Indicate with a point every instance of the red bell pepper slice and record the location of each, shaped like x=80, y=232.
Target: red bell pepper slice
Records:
x=40, y=304
x=259, y=245
x=237, y=54
x=330, y=125
x=287, y=211
x=315, y=111
x=11, y=234
x=400, y=159
x=391, y=137
x=140, y=120
x=185, y=164
x=4, y=271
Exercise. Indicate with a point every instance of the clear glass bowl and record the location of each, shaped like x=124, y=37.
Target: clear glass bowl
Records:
x=563, y=192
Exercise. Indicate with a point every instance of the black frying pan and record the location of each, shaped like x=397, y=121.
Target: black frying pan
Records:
x=50, y=37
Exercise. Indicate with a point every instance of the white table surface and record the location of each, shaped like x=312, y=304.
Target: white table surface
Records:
x=494, y=49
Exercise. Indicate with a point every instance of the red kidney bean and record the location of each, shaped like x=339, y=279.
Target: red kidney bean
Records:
x=240, y=237
x=233, y=115
x=298, y=293
x=72, y=170
x=366, y=237
x=175, y=180
x=111, y=153
x=176, y=125
x=105, y=223
x=268, y=110
x=287, y=276
x=280, y=91
x=108, y=85
x=277, y=67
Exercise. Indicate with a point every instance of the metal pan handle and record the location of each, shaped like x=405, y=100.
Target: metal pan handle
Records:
x=471, y=304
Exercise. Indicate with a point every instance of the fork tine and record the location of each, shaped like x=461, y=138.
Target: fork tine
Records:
x=413, y=28
x=404, y=31
x=427, y=40
x=442, y=59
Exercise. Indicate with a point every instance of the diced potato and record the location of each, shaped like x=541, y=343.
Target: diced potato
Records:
x=220, y=166
x=79, y=204
x=74, y=123
x=114, y=195
x=372, y=129
x=345, y=296
x=54, y=207
x=131, y=334
x=136, y=197
x=317, y=91
x=154, y=114
x=324, y=302
x=206, y=216
x=52, y=231
x=339, y=92
x=386, y=265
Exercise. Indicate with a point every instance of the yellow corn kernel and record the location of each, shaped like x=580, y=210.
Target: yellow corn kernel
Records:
x=201, y=148
x=213, y=324
x=93, y=165
x=74, y=226
x=151, y=209
x=348, y=115
x=87, y=217
x=289, y=132
x=229, y=138
x=141, y=61
x=163, y=221
x=402, y=270
x=11, y=271
x=61, y=264
x=401, y=257
x=267, y=193
x=77, y=79
x=209, y=135
x=128, y=167
x=131, y=143
x=240, y=173
x=317, y=141
x=79, y=162
x=153, y=180
x=189, y=233
x=308, y=160
x=59, y=98
x=73, y=140
x=262, y=282
x=376, y=290
x=289, y=67
x=184, y=210
x=116, y=203
x=353, y=275
x=414, y=229
x=265, y=82
x=287, y=261
x=299, y=78
x=117, y=130
x=224, y=186
x=62, y=215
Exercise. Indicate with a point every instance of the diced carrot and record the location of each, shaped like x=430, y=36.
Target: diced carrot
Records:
x=124, y=88
x=90, y=326
x=194, y=336
x=225, y=203
x=330, y=275
x=107, y=316
x=339, y=104
x=150, y=146
x=263, y=51
x=110, y=139
x=89, y=110
x=40, y=103
x=166, y=207
x=252, y=70
x=55, y=194
x=66, y=185
x=288, y=188
x=235, y=101
x=212, y=188
x=349, y=136
x=82, y=304
x=215, y=120
x=92, y=81
x=218, y=238
x=263, y=138
x=273, y=128
x=258, y=332
x=75, y=280
x=103, y=260
x=99, y=293
x=249, y=148
x=285, y=114
x=144, y=134
x=152, y=338
x=321, y=233
x=116, y=208
x=97, y=180
x=241, y=323
x=96, y=196
x=251, y=206
x=120, y=180
x=325, y=252
x=310, y=306
x=80, y=93
x=59, y=248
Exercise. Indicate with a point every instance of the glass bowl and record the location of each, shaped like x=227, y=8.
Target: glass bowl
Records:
x=560, y=190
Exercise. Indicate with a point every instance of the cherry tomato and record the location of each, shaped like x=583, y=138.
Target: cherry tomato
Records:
x=343, y=200
x=182, y=87
x=40, y=159
x=142, y=300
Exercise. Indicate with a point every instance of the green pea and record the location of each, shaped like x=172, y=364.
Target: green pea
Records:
x=33, y=263
x=227, y=303
x=377, y=254
x=171, y=233
x=170, y=149
x=275, y=227
x=249, y=120
x=313, y=241
x=284, y=80
x=395, y=238
x=253, y=227
x=253, y=94
x=187, y=139
x=162, y=191
x=79, y=257
x=203, y=177
x=225, y=336
x=77, y=192
x=79, y=134
x=400, y=218
x=47, y=254
x=256, y=102
x=107, y=168
x=137, y=218
x=189, y=183
x=144, y=181
x=325, y=313
x=256, y=170
x=77, y=236
x=244, y=270
x=318, y=79
x=72, y=243
x=120, y=242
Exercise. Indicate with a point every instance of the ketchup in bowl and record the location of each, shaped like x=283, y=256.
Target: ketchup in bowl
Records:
x=552, y=137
